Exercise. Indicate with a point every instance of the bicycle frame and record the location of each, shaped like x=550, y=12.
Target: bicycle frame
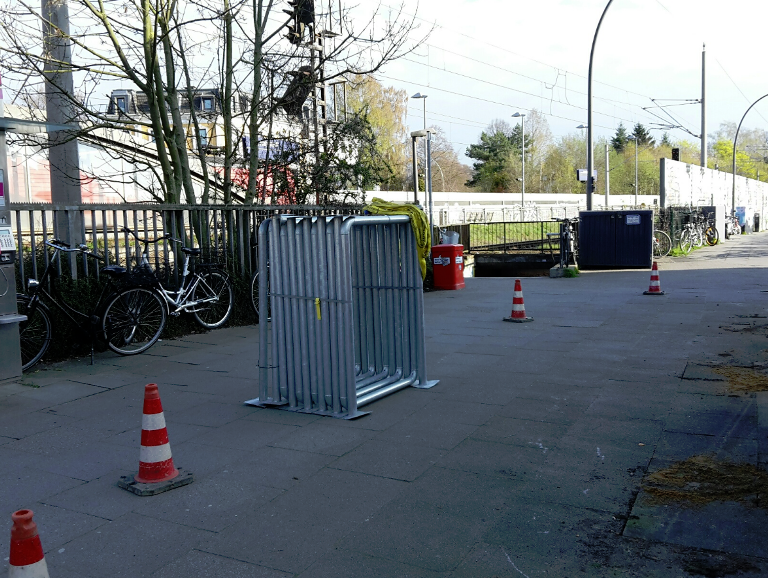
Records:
x=178, y=299
x=36, y=290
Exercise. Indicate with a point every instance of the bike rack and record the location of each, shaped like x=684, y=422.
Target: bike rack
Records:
x=347, y=313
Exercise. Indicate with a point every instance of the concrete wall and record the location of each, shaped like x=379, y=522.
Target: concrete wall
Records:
x=691, y=185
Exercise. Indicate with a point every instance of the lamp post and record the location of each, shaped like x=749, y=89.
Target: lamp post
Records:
x=427, y=175
x=414, y=135
x=735, y=138
x=634, y=138
x=590, y=152
x=522, y=198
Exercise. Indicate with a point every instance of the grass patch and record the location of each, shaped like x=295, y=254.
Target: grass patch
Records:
x=571, y=272
x=701, y=480
x=743, y=379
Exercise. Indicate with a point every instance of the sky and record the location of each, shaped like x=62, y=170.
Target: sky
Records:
x=487, y=59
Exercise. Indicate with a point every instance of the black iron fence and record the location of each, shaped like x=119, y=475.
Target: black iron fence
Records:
x=510, y=237
x=226, y=234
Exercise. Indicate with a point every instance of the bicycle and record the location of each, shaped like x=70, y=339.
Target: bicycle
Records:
x=205, y=291
x=255, y=295
x=732, y=226
x=126, y=318
x=662, y=244
x=568, y=242
x=711, y=235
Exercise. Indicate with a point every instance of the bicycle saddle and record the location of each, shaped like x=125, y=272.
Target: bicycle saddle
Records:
x=188, y=251
x=114, y=270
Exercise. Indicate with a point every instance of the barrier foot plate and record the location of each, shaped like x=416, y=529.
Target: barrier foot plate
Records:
x=140, y=489
x=266, y=403
x=426, y=385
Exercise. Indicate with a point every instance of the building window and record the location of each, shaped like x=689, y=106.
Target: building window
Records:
x=207, y=103
x=203, y=134
x=120, y=101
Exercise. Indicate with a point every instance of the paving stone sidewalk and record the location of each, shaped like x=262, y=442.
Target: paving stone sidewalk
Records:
x=538, y=454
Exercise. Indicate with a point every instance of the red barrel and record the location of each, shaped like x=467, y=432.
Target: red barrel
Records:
x=448, y=266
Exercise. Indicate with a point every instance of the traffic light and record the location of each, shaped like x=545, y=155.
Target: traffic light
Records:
x=675, y=154
x=297, y=91
x=302, y=14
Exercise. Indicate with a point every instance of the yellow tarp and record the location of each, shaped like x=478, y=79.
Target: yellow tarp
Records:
x=419, y=223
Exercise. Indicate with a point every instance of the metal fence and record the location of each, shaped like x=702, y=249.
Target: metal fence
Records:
x=525, y=237
x=347, y=313
x=227, y=234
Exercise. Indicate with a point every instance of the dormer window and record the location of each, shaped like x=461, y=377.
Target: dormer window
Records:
x=120, y=103
x=207, y=103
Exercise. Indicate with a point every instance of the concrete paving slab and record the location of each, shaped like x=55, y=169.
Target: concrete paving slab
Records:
x=58, y=526
x=521, y=432
x=246, y=435
x=154, y=545
x=675, y=446
x=494, y=459
x=398, y=461
x=350, y=564
x=429, y=431
x=325, y=507
x=724, y=526
x=61, y=392
x=99, y=498
x=196, y=563
x=214, y=503
x=21, y=487
x=324, y=437
x=18, y=424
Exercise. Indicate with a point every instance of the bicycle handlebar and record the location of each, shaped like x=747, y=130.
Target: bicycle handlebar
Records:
x=81, y=248
x=147, y=241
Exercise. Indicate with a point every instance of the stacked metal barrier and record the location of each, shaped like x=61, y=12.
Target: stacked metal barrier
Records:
x=347, y=313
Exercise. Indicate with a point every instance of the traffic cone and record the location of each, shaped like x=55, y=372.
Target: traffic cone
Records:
x=156, y=470
x=27, y=559
x=655, y=287
x=518, y=307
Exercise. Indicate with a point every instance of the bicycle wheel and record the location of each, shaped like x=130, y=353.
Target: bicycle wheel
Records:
x=698, y=237
x=34, y=333
x=686, y=241
x=662, y=244
x=215, y=292
x=133, y=320
x=712, y=236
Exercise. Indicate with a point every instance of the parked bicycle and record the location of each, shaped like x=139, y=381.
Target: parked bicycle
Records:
x=711, y=235
x=204, y=291
x=127, y=319
x=662, y=244
x=732, y=226
x=568, y=242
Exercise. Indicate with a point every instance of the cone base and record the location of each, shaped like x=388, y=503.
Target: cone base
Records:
x=518, y=320
x=653, y=292
x=129, y=483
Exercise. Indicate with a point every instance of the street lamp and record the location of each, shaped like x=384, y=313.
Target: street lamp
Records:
x=634, y=138
x=427, y=169
x=522, y=198
x=590, y=152
x=733, y=190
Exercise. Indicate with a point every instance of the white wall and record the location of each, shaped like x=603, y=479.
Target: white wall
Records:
x=691, y=185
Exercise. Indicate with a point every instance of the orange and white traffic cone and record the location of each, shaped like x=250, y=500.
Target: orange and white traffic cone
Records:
x=156, y=470
x=27, y=559
x=518, y=307
x=655, y=287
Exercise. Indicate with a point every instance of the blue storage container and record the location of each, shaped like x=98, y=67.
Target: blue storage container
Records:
x=615, y=239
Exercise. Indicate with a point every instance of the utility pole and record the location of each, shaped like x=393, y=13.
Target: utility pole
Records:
x=607, y=174
x=59, y=89
x=703, y=106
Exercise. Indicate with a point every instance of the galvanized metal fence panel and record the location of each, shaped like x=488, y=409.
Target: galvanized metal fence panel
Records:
x=347, y=313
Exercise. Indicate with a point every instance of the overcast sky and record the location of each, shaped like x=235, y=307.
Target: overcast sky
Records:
x=487, y=59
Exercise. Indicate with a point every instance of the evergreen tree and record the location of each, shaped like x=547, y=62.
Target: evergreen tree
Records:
x=492, y=156
x=665, y=142
x=643, y=137
x=620, y=140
